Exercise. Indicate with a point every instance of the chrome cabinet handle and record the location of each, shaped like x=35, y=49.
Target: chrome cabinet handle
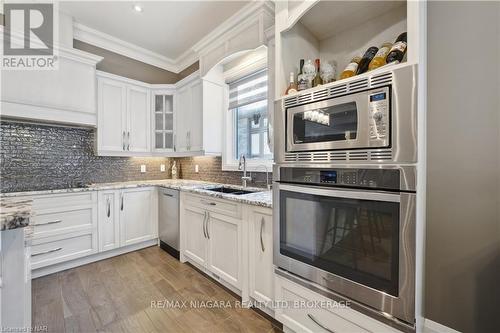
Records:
x=121, y=204
x=168, y=195
x=50, y=222
x=175, y=137
x=208, y=220
x=204, y=220
x=128, y=140
x=319, y=324
x=208, y=203
x=108, y=213
x=45, y=252
x=261, y=240
x=123, y=140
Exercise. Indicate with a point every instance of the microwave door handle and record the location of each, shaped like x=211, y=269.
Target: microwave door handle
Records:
x=348, y=194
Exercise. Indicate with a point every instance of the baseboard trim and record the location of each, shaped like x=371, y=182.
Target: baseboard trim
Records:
x=89, y=259
x=435, y=327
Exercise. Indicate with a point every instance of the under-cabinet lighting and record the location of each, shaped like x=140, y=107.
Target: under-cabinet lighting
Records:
x=137, y=8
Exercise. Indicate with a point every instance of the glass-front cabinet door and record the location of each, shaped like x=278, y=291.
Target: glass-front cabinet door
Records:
x=163, y=126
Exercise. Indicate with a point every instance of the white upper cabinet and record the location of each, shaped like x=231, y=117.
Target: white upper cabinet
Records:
x=124, y=117
x=111, y=117
x=65, y=95
x=189, y=115
x=163, y=121
x=139, y=124
x=140, y=119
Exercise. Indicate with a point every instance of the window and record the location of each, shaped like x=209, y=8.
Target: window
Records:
x=248, y=114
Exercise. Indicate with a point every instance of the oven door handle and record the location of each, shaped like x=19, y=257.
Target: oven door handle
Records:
x=349, y=194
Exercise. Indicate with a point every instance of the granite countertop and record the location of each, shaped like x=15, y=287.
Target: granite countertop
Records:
x=14, y=213
x=259, y=197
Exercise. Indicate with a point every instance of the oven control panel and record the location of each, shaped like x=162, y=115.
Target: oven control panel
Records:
x=373, y=178
x=378, y=113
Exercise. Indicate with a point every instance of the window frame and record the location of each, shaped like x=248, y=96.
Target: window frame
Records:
x=229, y=162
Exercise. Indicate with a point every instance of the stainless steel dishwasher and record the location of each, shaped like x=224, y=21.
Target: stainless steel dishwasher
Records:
x=168, y=214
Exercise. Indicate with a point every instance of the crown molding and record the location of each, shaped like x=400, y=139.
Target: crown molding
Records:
x=108, y=42
x=254, y=7
x=186, y=59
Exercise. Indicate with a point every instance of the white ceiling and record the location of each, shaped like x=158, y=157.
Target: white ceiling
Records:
x=168, y=28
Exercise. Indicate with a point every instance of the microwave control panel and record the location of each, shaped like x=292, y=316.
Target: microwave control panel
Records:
x=378, y=111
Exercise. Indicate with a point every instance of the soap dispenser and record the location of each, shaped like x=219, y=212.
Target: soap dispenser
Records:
x=174, y=170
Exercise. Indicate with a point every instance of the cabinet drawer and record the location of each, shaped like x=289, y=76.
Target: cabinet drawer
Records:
x=59, y=202
x=220, y=206
x=50, y=224
x=49, y=253
x=320, y=313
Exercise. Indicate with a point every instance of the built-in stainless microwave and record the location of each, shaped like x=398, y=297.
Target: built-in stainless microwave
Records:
x=369, y=119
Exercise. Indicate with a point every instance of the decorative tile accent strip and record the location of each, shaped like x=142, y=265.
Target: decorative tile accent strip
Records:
x=39, y=157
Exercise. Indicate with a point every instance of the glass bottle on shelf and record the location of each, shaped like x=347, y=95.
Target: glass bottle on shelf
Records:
x=301, y=78
x=365, y=60
x=398, y=50
x=309, y=71
x=317, y=81
x=292, y=87
x=379, y=59
x=351, y=69
x=327, y=71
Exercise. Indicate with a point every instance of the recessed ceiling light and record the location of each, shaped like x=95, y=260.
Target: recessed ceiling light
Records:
x=137, y=8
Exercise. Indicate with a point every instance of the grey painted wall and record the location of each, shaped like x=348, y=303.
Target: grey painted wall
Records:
x=463, y=201
x=39, y=157
x=133, y=69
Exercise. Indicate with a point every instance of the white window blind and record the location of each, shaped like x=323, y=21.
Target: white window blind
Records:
x=248, y=90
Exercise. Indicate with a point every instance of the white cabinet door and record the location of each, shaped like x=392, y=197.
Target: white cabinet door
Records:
x=261, y=282
x=195, y=132
x=109, y=227
x=194, y=232
x=136, y=215
x=225, y=248
x=112, y=115
x=214, y=106
x=139, y=124
x=183, y=107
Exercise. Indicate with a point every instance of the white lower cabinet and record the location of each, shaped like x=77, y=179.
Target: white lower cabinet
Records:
x=136, y=223
x=304, y=315
x=195, y=237
x=225, y=247
x=64, y=228
x=212, y=237
x=126, y=217
x=261, y=270
x=109, y=227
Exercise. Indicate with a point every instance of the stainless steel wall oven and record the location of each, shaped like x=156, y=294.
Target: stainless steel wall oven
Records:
x=350, y=230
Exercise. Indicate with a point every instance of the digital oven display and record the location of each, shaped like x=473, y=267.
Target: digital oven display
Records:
x=377, y=97
x=328, y=177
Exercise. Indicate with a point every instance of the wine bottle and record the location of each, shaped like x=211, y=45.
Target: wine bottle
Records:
x=292, y=87
x=379, y=59
x=398, y=50
x=317, y=81
x=365, y=60
x=351, y=69
x=301, y=78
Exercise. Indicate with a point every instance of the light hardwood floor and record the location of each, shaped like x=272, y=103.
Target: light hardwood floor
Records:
x=114, y=295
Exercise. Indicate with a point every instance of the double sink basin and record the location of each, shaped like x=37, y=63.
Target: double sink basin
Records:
x=229, y=190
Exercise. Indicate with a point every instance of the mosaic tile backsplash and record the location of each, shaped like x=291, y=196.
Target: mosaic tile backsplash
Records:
x=39, y=157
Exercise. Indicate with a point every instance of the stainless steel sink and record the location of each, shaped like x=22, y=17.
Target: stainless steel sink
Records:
x=229, y=190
